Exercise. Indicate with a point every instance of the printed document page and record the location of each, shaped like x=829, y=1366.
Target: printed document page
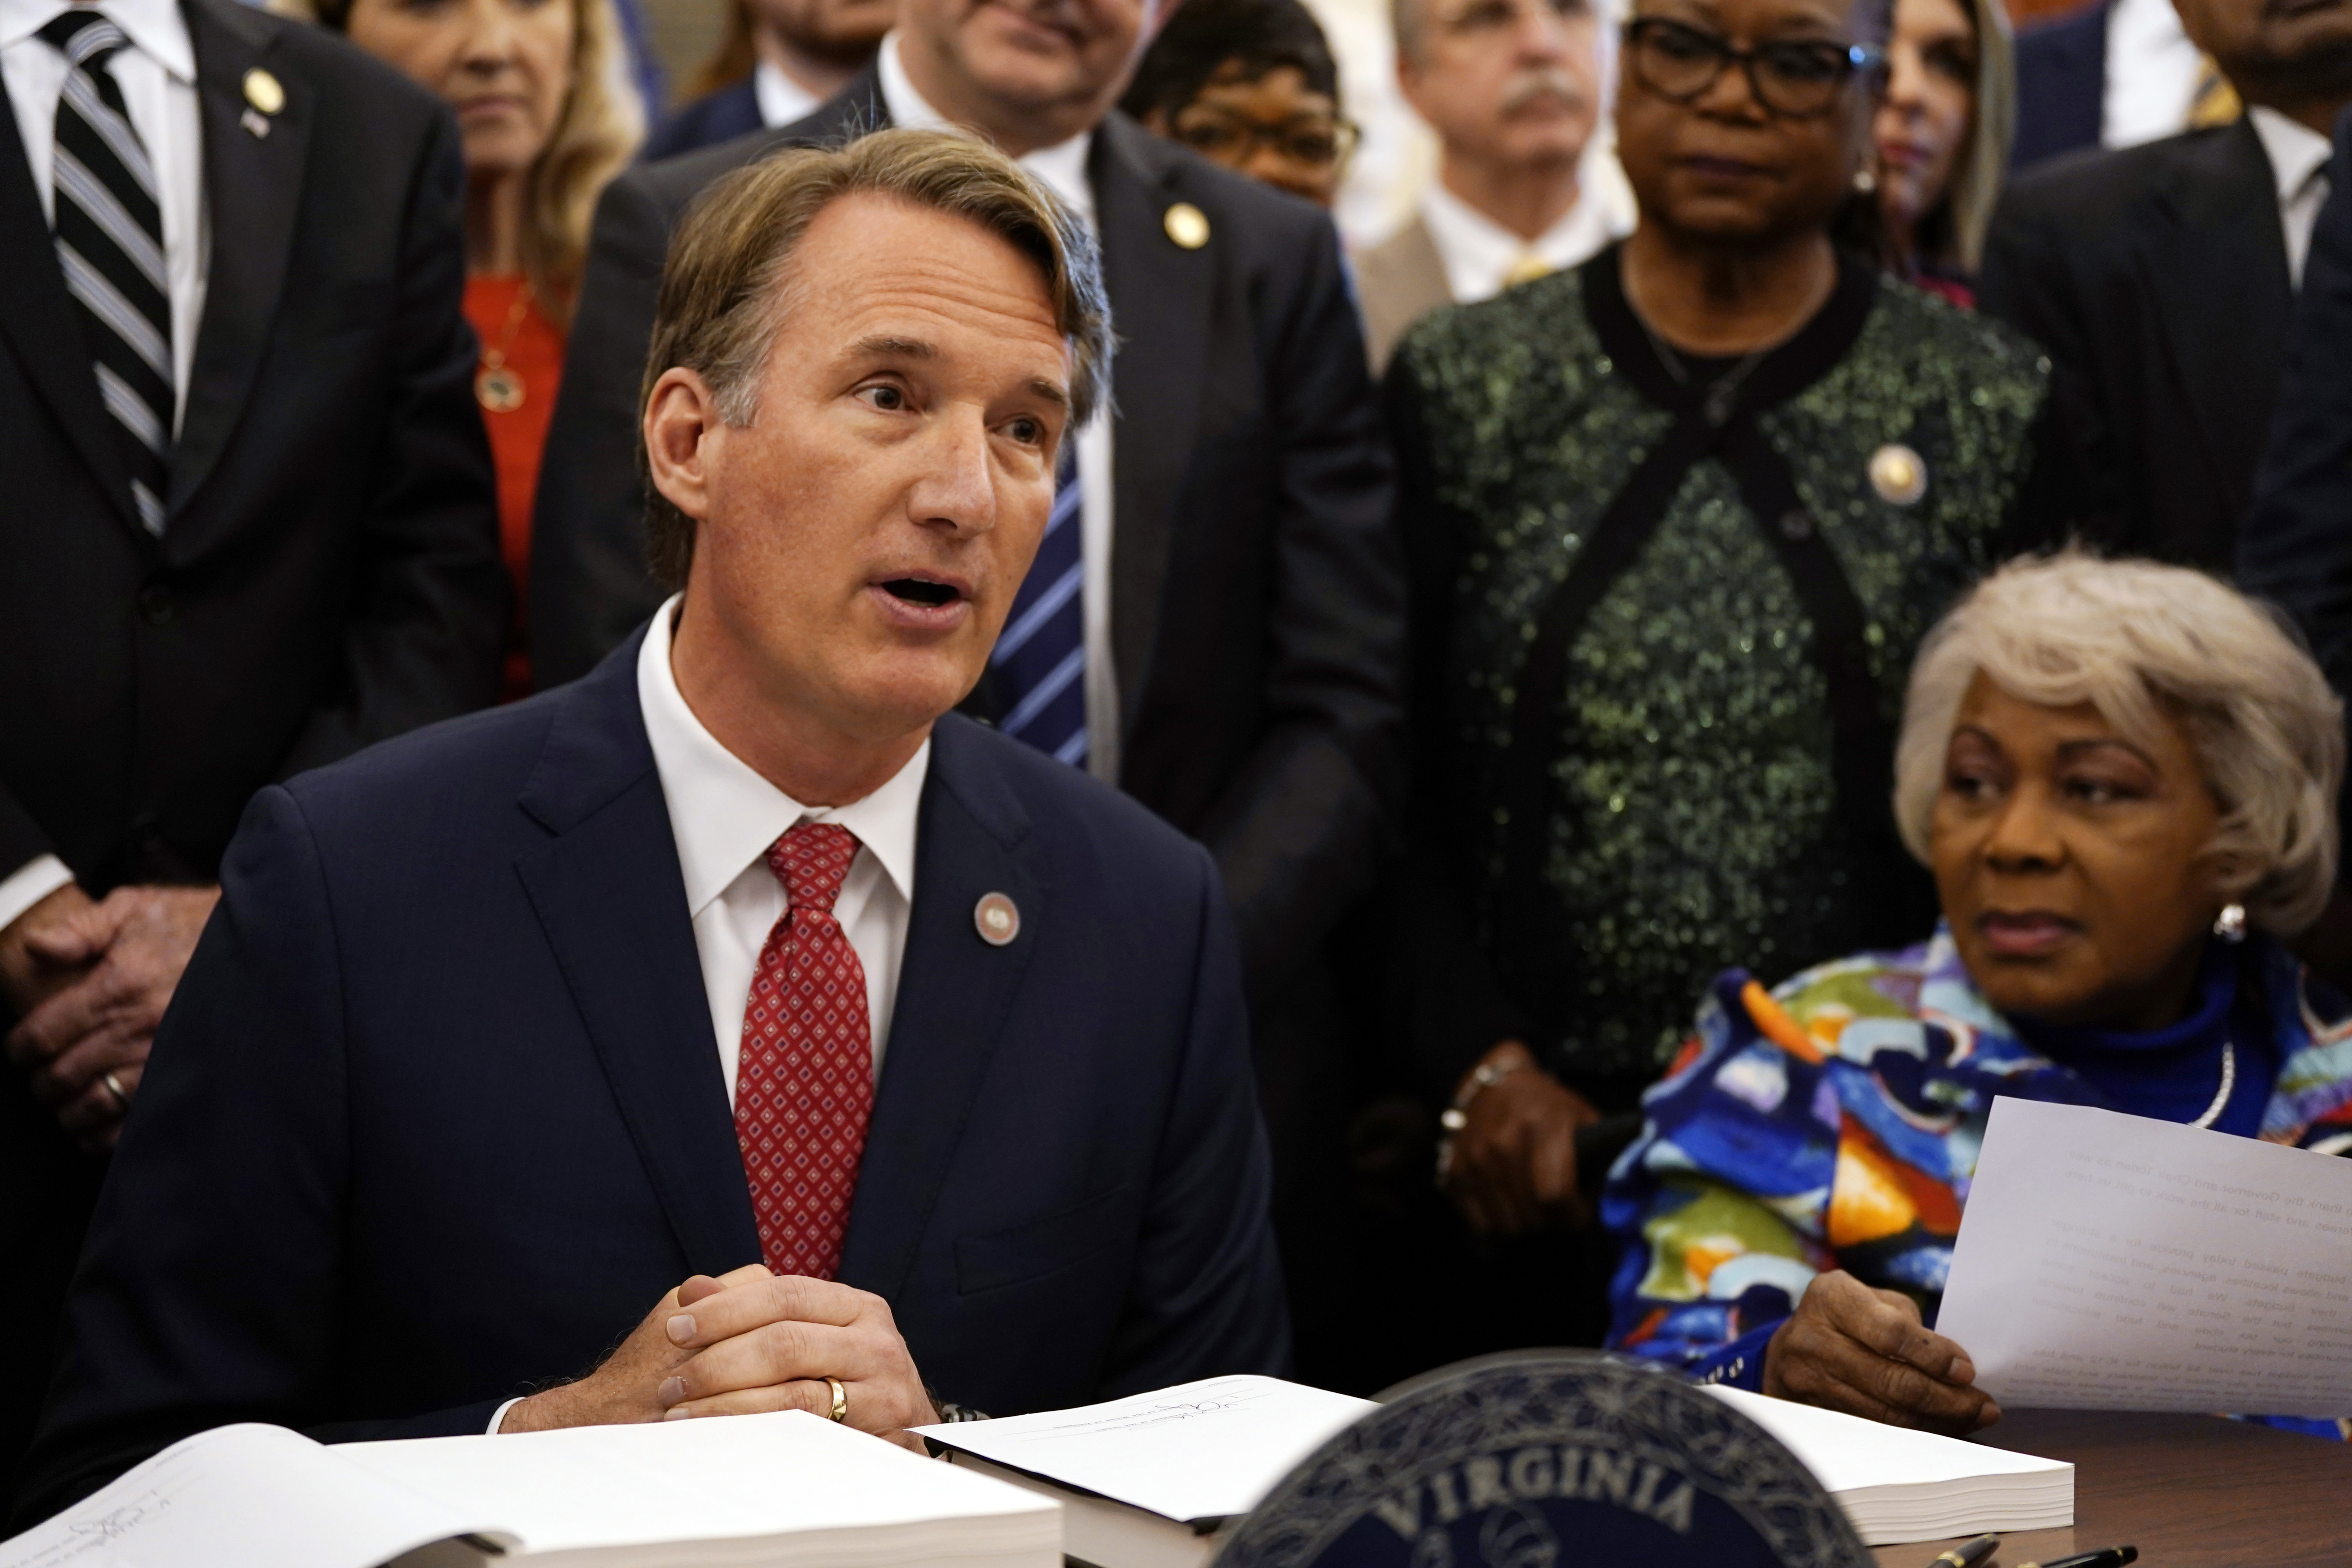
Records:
x=1200, y=1451
x=2111, y=1262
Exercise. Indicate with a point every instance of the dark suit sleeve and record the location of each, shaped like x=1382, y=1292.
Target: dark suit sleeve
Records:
x=211, y=1286
x=2029, y=282
x=588, y=582
x=1298, y=832
x=2297, y=547
x=1206, y=1296
x=428, y=608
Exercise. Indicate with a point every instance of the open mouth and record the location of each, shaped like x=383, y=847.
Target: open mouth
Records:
x=916, y=591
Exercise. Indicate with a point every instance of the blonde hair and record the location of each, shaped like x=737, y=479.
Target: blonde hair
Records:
x=2144, y=643
x=725, y=286
x=597, y=132
x=1977, y=176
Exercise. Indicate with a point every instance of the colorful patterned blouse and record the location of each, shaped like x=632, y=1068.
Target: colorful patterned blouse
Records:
x=1834, y=1123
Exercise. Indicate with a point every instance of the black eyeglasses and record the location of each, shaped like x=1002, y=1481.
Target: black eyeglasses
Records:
x=1227, y=139
x=1796, y=78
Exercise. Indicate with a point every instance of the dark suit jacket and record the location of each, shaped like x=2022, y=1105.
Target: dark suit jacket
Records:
x=438, y=1115
x=716, y=116
x=2157, y=278
x=1256, y=599
x=2062, y=86
x=328, y=572
x=2296, y=548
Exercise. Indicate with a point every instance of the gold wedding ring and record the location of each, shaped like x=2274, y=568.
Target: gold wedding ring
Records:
x=840, y=1411
x=114, y=1087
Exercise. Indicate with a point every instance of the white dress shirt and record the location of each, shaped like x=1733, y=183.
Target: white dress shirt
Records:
x=1063, y=168
x=2152, y=74
x=158, y=76
x=2298, y=157
x=782, y=99
x=1480, y=254
x=724, y=816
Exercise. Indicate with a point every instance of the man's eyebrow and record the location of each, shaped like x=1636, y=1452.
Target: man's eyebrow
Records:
x=883, y=346
x=1052, y=392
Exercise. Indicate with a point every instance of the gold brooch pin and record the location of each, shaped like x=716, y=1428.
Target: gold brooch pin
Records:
x=1186, y=225
x=264, y=91
x=1898, y=474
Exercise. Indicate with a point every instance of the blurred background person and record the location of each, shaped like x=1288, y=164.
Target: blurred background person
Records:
x=1514, y=90
x=777, y=61
x=1942, y=134
x=548, y=114
x=251, y=528
x=2123, y=777
x=2113, y=74
x=1249, y=84
x=1625, y=488
x=2162, y=277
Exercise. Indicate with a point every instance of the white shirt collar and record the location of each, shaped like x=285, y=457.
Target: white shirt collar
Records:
x=724, y=816
x=155, y=28
x=1480, y=253
x=782, y=99
x=2296, y=151
x=1062, y=166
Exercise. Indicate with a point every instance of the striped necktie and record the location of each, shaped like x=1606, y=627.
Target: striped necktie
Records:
x=1041, y=657
x=110, y=238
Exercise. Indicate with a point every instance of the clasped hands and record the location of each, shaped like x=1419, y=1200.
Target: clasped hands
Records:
x=749, y=1341
x=1514, y=1163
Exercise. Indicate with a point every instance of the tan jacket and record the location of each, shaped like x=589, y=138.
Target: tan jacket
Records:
x=1398, y=281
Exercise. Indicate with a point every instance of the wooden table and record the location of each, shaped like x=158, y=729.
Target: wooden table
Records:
x=2190, y=1492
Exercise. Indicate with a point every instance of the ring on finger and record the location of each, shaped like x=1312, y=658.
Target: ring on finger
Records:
x=114, y=1087
x=840, y=1411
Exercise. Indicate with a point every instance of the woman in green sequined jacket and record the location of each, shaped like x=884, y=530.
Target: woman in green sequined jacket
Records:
x=1678, y=519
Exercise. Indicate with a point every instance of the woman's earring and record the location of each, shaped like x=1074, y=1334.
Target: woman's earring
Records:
x=1866, y=180
x=2230, y=926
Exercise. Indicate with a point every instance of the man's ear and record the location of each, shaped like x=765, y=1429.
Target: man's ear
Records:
x=681, y=419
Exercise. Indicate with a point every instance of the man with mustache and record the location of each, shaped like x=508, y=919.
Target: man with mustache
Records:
x=1513, y=88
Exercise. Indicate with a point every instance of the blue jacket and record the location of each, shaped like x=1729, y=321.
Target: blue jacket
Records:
x=716, y=116
x=437, y=1115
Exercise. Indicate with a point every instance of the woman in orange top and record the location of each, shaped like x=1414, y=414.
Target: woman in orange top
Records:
x=543, y=99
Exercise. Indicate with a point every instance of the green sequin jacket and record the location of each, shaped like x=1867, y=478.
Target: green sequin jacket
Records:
x=1693, y=820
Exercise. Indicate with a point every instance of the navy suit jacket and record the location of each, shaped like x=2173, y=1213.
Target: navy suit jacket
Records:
x=436, y=1116
x=715, y=116
x=2062, y=86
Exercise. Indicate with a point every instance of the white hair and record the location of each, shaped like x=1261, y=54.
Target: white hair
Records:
x=2144, y=643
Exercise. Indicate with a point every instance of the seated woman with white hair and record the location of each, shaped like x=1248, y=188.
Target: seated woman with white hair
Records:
x=2123, y=777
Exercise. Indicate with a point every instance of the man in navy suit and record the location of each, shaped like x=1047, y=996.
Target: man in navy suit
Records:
x=917, y=1057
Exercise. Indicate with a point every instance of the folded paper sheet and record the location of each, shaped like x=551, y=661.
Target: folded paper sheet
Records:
x=2109, y=1262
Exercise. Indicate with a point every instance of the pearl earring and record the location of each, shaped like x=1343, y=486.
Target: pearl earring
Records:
x=2230, y=926
x=1866, y=180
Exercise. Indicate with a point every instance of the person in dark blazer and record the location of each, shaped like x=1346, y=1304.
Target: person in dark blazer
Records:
x=249, y=523
x=403, y=1167
x=1242, y=658
x=2296, y=548
x=2062, y=79
x=2120, y=264
x=778, y=61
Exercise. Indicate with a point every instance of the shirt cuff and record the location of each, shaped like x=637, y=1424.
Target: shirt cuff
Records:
x=1741, y=1363
x=499, y=1417
x=29, y=884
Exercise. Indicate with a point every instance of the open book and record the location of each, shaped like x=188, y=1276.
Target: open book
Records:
x=743, y=1491
x=1146, y=1482
x=1898, y=1485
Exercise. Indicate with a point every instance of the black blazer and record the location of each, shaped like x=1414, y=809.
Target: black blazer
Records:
x=2296, y=548
x=438, y=1115
x=329, y=572
x=2062, y=86
x=1257, y=599
x=717, y=117
x=2157, y=278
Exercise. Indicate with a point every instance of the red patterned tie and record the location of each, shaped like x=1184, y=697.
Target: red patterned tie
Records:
x=805, y=1082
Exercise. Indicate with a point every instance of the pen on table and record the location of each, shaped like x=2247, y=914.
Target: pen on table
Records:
x=1967, y=1554
x=2105, y=1557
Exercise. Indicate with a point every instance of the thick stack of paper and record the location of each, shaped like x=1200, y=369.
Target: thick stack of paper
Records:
x=760, y=1491
x=1898, y=1485
x=1146, y=1482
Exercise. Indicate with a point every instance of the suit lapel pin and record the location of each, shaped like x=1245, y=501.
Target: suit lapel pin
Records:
x=1898, y=474
x=264, y=96
x=1186, y=225
x=997, y=919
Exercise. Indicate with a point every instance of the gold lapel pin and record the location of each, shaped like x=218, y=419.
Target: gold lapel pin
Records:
x=264, y=91
x=1898, y=474
x=997, y=919
x=1186, y=225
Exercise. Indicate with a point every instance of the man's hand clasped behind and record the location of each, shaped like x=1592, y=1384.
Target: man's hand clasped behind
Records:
x=89, y=982
x=745, y=1342
x=1513, y=1168
x=1848, y=1347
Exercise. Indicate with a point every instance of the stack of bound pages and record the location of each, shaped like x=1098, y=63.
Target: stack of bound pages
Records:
x=786, y=1491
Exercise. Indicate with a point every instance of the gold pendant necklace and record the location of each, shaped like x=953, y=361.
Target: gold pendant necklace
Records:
x=497, y=386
